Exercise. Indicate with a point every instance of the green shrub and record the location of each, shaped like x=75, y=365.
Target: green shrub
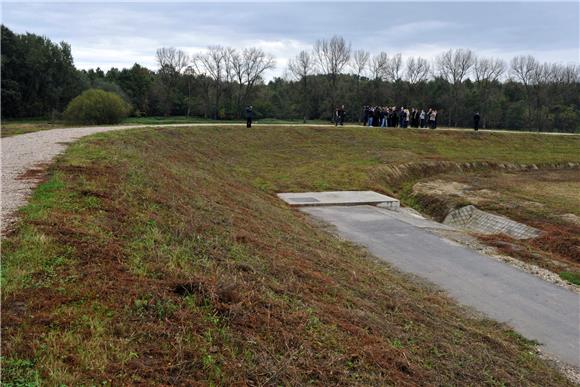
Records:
x=96, y=106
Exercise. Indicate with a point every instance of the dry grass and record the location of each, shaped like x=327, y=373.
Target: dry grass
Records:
x=163, y=257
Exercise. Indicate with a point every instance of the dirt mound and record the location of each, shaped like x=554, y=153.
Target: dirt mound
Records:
x=394, y=175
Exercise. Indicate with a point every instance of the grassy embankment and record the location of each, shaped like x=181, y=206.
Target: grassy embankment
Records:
x=163, y=256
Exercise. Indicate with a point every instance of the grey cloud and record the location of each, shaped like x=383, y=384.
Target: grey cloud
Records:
x=119, y=34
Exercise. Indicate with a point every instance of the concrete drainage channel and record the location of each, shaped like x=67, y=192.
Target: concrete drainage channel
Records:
x=538, y=309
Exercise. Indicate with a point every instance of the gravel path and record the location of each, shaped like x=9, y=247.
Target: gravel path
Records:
x=25, y=153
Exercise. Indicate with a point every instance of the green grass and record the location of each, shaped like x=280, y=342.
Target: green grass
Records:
x=572, y=277
x=156, y=120
x=162, y=256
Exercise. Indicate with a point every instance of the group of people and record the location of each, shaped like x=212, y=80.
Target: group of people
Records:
x=403, y=117
x=385, y=117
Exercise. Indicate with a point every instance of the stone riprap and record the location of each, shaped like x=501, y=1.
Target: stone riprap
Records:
x=473, y=219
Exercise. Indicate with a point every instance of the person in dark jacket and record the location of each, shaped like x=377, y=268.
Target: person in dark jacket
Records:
x=365, y=115
x=394, y=117
x=382, y=117
x=249, y=116
x=377, y=117
x=476, y=118
x=415, y=118
x=341, y=114
x=402, y=117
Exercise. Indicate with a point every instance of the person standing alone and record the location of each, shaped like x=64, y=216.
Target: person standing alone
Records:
x=476, y=118
x=339, y=116
x=249, y=116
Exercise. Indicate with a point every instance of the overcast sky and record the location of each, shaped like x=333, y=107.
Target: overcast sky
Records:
x=120, y=34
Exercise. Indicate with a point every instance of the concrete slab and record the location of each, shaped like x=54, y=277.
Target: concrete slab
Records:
x=342, y=198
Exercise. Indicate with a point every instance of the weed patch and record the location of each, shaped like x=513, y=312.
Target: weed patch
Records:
x=572, y=277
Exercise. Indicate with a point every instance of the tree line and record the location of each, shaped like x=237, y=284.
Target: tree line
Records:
x=39, y=79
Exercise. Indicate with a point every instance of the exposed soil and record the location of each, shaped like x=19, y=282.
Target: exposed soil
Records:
x=533, y=197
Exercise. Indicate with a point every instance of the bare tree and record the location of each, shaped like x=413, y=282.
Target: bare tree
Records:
x=360, y=62
x=379, y=65
x=332, y=56
x=394, y=68
x=487, y=71
x=249, y=67
x=417, y=70
x=301, y=67
x=542, y=77
x=378, y=68
x=523, y=69
x=454, y=66
x=557, y=73
x=569, y=74
x=189, y=74
x=172, y=58
x=539, y=74
x=212, y=64
x=171, y=63
x=230, y=57
x=257, y=62
x=229, y=78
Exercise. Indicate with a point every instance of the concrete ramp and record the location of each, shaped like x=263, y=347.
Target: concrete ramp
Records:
x=339, y=198
x=537, y=309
